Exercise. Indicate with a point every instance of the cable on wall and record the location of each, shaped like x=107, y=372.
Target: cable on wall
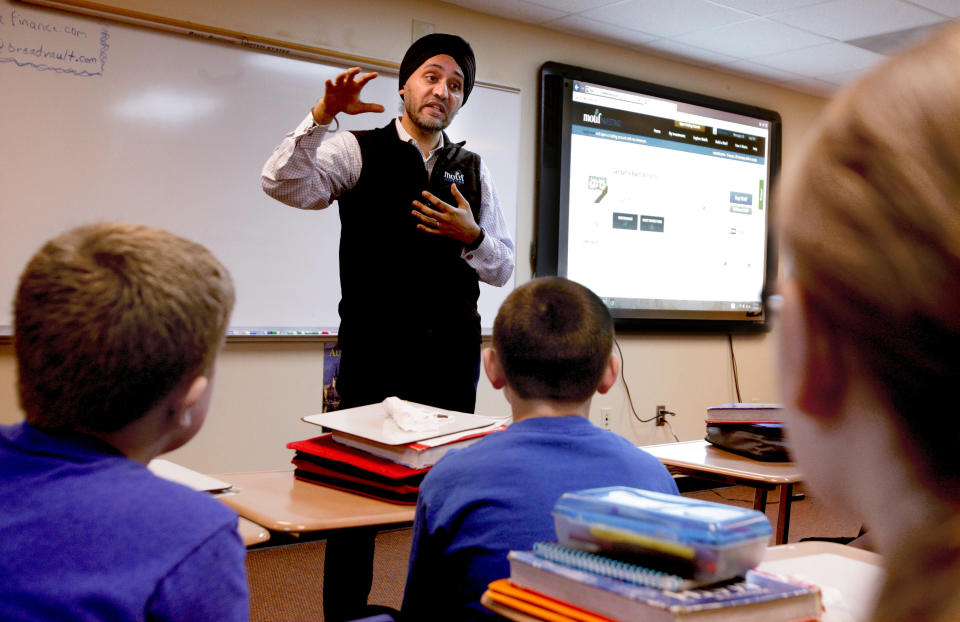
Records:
x=623, y=379
x=733, y=361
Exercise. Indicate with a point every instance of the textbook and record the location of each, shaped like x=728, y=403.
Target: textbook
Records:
x=758, y=597
x=504, y=597
x=421, y=454
x=747, y=411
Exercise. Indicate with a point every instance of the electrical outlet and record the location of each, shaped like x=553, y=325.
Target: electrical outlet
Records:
x=605, y=417
x=661, y=418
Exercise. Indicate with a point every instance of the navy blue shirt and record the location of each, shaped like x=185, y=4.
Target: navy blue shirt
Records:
x=481, y=502
x=88, y=534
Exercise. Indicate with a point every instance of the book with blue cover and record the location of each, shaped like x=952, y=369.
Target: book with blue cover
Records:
x=758, y=597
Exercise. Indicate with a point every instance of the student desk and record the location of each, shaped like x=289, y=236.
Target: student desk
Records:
x=299, y=511
x=701, y=459
x=252, y=533
x=285, y=505
x=849, y=578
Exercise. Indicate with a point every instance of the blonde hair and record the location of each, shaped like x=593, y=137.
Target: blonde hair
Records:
x=871, y=226
x=871, y=218
x=109, y=318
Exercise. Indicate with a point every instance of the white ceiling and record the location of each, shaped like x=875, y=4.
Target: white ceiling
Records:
x=811, y=46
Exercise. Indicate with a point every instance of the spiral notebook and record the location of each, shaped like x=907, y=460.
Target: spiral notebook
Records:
x=612, y=568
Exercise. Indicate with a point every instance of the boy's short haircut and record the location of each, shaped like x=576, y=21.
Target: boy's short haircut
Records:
x=109, y=318
x=553, y=338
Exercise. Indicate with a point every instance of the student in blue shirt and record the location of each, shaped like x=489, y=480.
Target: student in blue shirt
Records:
x=116, y=331
x=552, y=350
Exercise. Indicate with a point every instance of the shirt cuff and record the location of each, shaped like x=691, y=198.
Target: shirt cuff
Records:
x=309, y=133
x=476, y=243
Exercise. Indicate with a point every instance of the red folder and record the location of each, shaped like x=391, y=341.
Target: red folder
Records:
x=322, y=461
x=324, y=448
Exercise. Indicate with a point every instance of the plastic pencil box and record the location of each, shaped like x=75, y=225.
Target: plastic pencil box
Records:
x=700, y=540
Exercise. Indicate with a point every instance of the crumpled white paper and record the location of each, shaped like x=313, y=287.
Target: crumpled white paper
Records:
x=413, y=417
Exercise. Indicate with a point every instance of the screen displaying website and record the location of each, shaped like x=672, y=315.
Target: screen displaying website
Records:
x=666, y=202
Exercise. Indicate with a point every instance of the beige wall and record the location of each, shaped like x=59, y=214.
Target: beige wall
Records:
x=264, y=388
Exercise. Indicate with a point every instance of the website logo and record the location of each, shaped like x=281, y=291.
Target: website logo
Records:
x=596, y=117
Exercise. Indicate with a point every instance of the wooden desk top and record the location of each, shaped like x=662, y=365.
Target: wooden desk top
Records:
x=817, y=547
x=279, y=502
x=252, y=533
x=703, y=457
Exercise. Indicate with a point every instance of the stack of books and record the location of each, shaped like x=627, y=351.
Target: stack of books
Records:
x=321, y=461
x=750, y=429
x=627, y=554
x=753, y=412
x=367, y=454
x=419, y=454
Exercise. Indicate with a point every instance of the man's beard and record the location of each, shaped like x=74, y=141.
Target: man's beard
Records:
x=426, y=122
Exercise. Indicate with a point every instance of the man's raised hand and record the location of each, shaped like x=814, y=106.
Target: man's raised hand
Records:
x=342, y=94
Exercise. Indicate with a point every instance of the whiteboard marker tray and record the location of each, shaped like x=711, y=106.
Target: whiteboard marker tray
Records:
x=371, y=422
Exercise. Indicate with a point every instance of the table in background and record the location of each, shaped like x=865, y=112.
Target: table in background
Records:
x=701, y=459
x=294, y=510
x=849, y=578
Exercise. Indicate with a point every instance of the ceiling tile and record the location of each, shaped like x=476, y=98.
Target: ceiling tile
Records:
x=812, y=86
x=766, y=7
x=671, y=48
x=950, y=8
x=851, y=19
x=830, y=42
x=755, y=70
x=821, y=60
x=517, y=10
x=572, y=6
x=842, y=78
x=581, y=26
x=752, y=38
x=889, y=42
x=667, y=18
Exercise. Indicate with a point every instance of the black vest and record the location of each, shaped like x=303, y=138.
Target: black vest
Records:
x=394, y=278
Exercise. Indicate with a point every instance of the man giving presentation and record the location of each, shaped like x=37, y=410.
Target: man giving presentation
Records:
x=421, y=225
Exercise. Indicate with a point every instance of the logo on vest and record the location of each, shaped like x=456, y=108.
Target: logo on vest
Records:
x=454, y=177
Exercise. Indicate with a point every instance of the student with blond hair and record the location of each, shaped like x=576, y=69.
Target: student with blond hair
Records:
x=116, y=331
x=870, y=326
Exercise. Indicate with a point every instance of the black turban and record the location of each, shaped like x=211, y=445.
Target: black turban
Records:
x=431, y=45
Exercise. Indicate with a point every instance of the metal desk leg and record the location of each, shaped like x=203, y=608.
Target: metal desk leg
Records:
x=760, y=499
x=783, y=518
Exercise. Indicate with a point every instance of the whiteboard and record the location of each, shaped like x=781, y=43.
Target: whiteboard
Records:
x=109, y=121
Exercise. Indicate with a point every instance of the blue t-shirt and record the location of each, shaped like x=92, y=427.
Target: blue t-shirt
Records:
x=481, y=502
x=88, y=534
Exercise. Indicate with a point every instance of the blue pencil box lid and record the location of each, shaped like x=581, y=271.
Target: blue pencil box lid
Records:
x=688, y=537
x=671, y=517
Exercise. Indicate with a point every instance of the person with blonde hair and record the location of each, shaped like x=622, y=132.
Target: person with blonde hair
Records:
x=116, y=331
x=870, y=323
